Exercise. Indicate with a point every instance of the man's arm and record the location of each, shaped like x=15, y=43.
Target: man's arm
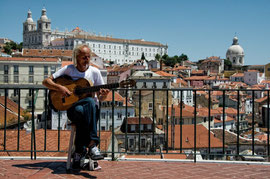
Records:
x=49, y=83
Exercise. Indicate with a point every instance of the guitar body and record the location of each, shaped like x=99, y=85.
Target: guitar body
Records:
x=61, y=103
x=80, y=89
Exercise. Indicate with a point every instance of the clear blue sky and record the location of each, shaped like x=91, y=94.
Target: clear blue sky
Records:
x=198, y=28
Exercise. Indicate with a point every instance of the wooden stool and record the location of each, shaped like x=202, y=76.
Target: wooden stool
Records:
x=71, y=149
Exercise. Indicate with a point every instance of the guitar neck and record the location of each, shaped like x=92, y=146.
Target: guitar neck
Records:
x=96, y=88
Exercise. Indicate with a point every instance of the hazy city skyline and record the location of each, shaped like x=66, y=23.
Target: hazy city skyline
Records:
x=197, y=28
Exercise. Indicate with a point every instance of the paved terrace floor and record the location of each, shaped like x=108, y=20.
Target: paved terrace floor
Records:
x=53, y=169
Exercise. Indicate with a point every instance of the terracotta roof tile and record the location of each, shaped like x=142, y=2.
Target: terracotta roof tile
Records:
x=24, y=59
x=162, y=73
x=46, y=52
x=144, y=120
x=188, y=137
x=116, y=40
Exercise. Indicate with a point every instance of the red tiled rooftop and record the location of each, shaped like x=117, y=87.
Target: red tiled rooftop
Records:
x=162, y=73
x=23, y=59
x=144, y=120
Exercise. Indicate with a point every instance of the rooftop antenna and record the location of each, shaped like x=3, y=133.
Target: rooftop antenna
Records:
x=235, y=34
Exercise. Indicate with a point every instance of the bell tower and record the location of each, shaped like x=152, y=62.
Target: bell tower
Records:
x=44, y=29
x=29, y=27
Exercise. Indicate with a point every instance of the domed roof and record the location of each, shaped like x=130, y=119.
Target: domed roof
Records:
x=235, y=48
x=29, y=17
x=43, y=15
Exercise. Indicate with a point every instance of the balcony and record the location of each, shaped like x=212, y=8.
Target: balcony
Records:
x=179, y=137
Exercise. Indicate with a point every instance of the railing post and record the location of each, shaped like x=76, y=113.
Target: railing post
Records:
x=126, y=124
x=46, y=115
x=268, y=117
x=113, y=158
x=223, y=123
x=19, y=119
x=253, y=111
x=33, y=135
x=153, y=125
x=238, y=122
x=167, y=120
x=209, y=123
x=140, y=111
x=58, y=130
x=5, y=123
x=195, y=121
x=181, y=121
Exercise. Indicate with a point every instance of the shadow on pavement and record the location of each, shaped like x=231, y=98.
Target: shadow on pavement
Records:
x=56, y=167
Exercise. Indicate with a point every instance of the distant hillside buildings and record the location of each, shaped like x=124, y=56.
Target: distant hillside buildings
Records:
x=120, y=51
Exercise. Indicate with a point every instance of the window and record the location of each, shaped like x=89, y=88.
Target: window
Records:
x=5, y=79
x=141, y=127
x=16, y=92
x=144, y=85
x=164, y=85
x=31, y=79
x=119, y=115
x=16, y=69
x=45, y=70
x=132, y=127
x=5, y=69
x=150, y=106
x=154, y=85
x=30, y=104
x=143, y=143
x=131, y=142
x=103, y=115
x=53, y=69
x=16, y=79
x=31, y=70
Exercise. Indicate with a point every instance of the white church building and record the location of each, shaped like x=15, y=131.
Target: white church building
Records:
x=120, y=51
x=235, y=53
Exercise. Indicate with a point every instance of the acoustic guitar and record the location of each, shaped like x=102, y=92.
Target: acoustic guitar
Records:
x=80, y=89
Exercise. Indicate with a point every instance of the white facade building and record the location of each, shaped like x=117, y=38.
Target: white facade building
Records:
x=119, y=51
x=26, y=73
x=253, y=77
x=235, y=53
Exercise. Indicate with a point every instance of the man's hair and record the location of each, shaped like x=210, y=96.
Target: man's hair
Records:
x=77, y=50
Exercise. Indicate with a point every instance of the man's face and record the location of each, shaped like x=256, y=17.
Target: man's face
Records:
x=83, y=59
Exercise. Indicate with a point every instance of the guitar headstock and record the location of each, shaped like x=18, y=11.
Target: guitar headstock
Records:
x=127, y=83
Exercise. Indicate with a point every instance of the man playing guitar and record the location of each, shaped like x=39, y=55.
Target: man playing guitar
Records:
x=82, y=112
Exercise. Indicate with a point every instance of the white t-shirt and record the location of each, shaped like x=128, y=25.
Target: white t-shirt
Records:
x=92, y=74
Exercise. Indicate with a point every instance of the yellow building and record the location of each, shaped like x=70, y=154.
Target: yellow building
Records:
x=267, y=71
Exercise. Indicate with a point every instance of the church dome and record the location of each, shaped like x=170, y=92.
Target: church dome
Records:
x=235, y=48
x=29, y=17
x=43, y=15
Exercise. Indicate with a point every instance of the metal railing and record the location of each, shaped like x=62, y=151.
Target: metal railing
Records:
x=169, y=120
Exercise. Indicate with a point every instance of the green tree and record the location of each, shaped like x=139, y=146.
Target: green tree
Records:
x=12, y=46
x=182, y=57
x=227, y=64
x=157, y=57
x=7, y=49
